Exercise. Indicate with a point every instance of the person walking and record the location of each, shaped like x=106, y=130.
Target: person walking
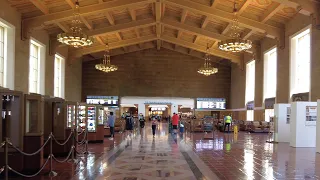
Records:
x=227, y=122
x=154, y=126
x=129, y=123
x=111, y=120
x=175, y=122
x=142, y=121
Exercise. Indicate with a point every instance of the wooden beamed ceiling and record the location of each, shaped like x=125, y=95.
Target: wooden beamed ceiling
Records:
x=189, y=24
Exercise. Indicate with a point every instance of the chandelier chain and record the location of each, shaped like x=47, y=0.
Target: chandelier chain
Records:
x=235, y=44
x=207, y=69
x=75, y=38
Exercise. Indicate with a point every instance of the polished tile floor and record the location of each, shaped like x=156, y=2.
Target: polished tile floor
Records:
x=185, y=156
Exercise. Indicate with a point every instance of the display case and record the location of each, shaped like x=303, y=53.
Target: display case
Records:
x=33, y=138
x=71, y=114
x=82, y=117
x=12, y=126
x=92, y=118
x=54, y=113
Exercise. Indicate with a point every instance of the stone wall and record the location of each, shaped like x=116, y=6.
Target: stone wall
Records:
x=154, y=73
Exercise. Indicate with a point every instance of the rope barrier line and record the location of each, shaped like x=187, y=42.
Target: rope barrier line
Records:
x=30, y=154
x=84, y=139
x=66, y=159
x=1, y=169
x=33, y=175
x=62, y=144
x=81, y=132
x=2, y=144
x=51, y=157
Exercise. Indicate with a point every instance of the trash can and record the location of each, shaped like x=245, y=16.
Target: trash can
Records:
x=181, y=128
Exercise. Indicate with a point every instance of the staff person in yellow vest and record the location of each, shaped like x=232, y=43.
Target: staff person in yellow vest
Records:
x=227, y=122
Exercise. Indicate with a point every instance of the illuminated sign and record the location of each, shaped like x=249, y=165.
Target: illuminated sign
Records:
x=211, y=103
x=103, y=100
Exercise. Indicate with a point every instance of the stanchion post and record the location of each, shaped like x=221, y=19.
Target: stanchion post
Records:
x=73, y=160
x=87, y=141
x=51, y=173
x=6, y=159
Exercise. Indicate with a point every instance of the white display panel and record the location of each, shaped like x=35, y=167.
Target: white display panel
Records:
x=211, y=103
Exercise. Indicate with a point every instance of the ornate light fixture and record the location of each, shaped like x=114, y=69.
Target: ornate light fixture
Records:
x=207, y=69
x=76, y=37
x=106, y=66
x=235, y=44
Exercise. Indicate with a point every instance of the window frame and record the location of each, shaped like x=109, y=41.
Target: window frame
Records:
x=294, y=54
x=9, y=54
x=266, y=72
x=250, y=82
x=61, y=75
x=40, y=65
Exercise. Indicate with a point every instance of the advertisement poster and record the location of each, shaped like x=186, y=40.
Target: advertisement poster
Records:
x=288, y=115
x=311, y=115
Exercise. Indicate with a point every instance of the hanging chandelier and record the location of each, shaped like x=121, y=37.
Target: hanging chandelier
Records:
x=76, y=38
x=235, y=44
x=106, y=66
x=207, y=69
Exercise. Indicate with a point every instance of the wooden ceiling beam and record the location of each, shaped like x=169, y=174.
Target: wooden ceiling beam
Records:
x=226, y=29
x=205, y=22
x=272, y=9
x=114, y=45
x=122, y=27
x=41, y=6
x=118, y=36
x=215, y=52
x=243, y=6
x=305, y=7
x=129, y=50
x=247, y=34
x=137, y=32
x=183, y=16
x=71, y=3
x=98, y=38
x=63, y=26
x=110, y=18
x=85, y=11
x=271, y=31
x=88, y=24
x=214, y=3
x=179, y=34
x=133, y=14
x=193, y=30
x=196, y=39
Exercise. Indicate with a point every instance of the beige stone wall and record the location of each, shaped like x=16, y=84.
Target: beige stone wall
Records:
x=73, y=72
x=154, y=73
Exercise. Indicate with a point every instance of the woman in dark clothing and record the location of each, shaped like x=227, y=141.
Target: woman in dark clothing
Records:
x=129, y=123
x=142, y=120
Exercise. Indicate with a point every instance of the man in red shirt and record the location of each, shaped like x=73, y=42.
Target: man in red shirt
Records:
x=175, y=122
